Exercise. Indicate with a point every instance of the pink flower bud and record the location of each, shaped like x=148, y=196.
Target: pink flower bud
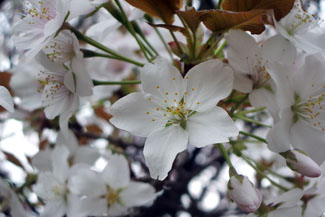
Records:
x=300, y=162
x=243, y=192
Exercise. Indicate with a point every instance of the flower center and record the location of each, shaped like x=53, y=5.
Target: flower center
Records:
x=112, y=196
x=40, y=11
x=300, y=18
x=178, y=114
x=311, y=109
x=259, y=75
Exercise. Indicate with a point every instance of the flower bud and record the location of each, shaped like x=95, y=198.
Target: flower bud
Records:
x=243, y=192
x=300, y=162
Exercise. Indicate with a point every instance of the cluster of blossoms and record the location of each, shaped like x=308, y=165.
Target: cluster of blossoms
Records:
x=199, y=99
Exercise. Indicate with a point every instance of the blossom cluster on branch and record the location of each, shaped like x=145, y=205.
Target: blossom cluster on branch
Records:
x=154, y=80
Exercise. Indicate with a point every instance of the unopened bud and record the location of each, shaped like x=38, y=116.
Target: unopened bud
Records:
x=300, y=162
x=243, y=192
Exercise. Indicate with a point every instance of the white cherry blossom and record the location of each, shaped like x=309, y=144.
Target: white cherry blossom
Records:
x=249, y=62
x=298, y=29
x=53, y=187
x=62, y=87
x=301, y=97
x=175, y=111
x=111, y=193
x=77, y=154
x=42, y=20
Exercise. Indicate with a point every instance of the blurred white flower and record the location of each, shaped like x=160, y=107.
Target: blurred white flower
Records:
x=53, y=187
x=111, y=193
x=249, y=62
x=298, y=29
x=25, y=84
x=41, y=21
x=77, y=154
x=175, y=111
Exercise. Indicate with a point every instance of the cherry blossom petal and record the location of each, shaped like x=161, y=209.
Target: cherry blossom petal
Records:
x=287, y=212
x=240, y=50
x=309, y=139
x=80, y=7
x=211, y=126
x=52, y=26
x=6, y=100
x=54, y=208
x=207, y=84
x=117, y=172
x=137, y=194
x=161, y=148
x=59, y=158
x=278, y=48
x=163, y=80
x=86, y=155
x=86, y=182
x=287, y=199
x=133, y=113
x=242, y=83
x=117, y=209
x=84, y=84
x=94, y=206
x=265, y=98
x=278, y=137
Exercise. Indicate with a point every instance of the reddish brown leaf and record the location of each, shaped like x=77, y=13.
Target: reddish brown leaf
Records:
x=13, y=159
x=164, y=9
x=192, y=18
x=280, y=7
x=42, y=145
x=220, y=21
x=101, y=113
x=94, y=129
x=173, y=28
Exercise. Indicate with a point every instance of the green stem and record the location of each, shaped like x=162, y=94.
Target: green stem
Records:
x=263, y=175
x=145, y=39
x=164, y=43
x=252, y=111
x=203, y=49
x=89, y=54
x=97, y=83
x=133, y=33
x=234, y=108
x=220, y=48
x=219, y=4
x=265, y=168
x=102, y=47
x=225, y=155
x=253, y=136
x=176, y=41
x=244, y=118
